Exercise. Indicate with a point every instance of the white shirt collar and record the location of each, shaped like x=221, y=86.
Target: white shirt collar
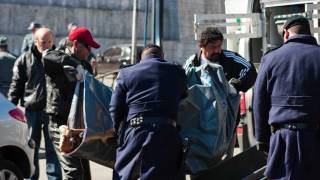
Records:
x=203, y=60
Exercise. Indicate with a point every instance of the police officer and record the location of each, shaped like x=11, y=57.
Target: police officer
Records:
x=287, y=99
x=146, y=101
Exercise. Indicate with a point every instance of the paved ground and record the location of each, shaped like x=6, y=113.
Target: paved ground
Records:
x=98, y=172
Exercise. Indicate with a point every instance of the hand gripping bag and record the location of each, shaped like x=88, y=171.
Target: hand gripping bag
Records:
x=207, y=117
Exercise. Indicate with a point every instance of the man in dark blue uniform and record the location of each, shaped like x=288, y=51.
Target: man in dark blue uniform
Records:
x=286, y=104
x=146, y=102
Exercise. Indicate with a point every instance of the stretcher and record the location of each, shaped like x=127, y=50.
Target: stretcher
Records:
x=248, y=165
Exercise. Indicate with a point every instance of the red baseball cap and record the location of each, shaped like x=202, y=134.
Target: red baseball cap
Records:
x=83, y=35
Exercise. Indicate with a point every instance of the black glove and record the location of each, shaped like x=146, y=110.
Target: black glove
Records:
x=235, y=83
x=263, y=147
x=121, y=132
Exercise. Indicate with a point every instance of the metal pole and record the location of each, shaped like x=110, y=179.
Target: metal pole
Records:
x=157, y=8
x=134, y=36
x=153, y=29
x=146, y=23
x=159, y=24
x=264, y=30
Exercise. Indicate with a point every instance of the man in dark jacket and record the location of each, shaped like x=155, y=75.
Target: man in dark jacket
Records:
x=240, y=73
x=63, y=45
x=145, y=101
x=60, y=89
x=6, y=64
x=29, y=86
x=286, y=98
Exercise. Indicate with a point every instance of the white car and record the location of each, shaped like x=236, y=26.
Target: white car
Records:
x=16, y=148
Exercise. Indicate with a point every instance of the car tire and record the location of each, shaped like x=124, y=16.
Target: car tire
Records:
x=8, y=170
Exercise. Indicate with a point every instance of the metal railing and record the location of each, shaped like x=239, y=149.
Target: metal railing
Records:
x=108, y=78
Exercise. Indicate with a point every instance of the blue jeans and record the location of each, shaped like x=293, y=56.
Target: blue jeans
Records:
x=37, y=121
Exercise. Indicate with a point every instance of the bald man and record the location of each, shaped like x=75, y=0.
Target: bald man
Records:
x=28, y=87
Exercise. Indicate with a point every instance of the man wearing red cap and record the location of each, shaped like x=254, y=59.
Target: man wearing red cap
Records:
x=60, y=88
x=63, y=45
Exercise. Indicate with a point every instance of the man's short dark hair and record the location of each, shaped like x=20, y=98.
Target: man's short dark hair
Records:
x=298, y=24
x=210, y=35
x=300, y=29
x=3, y=46
x=152, y=49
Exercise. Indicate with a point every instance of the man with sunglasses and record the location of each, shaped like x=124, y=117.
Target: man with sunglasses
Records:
x=61, y=83
x=63, y=45
x=286, y=104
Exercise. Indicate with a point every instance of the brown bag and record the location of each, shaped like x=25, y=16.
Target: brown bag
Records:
x=69, y=139
x=70, y=135
x=96, y=141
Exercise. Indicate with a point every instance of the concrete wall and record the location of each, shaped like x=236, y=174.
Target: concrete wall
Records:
x=186, y=45
x=109, y=21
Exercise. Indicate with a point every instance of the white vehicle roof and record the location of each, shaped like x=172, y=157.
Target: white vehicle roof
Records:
x=272, y=3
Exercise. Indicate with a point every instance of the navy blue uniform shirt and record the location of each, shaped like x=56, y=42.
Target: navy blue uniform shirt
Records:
x=288, y=85
x=287, y=91
x=153, y=87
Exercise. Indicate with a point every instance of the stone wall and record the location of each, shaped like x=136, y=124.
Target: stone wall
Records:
x=110, y=21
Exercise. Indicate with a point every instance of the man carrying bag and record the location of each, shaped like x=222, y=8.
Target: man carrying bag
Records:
x=61, y=71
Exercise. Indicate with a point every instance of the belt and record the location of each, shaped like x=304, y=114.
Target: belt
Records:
x=151, y=121
x=295, y=126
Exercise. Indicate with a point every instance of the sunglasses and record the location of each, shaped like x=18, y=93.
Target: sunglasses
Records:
x=86, y=46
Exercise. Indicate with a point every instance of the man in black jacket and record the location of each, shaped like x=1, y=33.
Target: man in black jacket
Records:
x=59, y=69
x=28, y=86
x=240, y=73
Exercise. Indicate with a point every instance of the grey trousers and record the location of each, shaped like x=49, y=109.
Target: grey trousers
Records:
x=74, y=168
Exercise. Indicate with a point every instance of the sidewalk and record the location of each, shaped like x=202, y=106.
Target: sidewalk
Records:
x=98, y=172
